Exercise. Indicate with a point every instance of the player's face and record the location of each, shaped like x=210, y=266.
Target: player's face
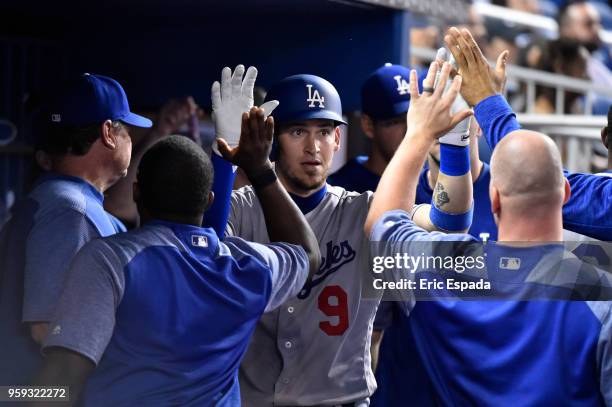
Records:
x=388, y=135
x=123, y=152
x=306, y=152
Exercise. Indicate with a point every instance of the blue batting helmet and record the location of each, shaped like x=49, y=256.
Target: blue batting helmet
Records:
x=304, y=97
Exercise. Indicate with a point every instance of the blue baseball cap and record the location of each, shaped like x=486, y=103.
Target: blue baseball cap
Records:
x=93, y=99
x=386, y=94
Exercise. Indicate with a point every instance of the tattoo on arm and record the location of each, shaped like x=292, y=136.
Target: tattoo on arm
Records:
x=441, y=196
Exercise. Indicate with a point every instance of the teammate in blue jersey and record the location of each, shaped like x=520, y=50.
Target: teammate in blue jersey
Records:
x=165, y=312
x=507, y=353
x=588, y=210
x=384, y=103
x=89, y=145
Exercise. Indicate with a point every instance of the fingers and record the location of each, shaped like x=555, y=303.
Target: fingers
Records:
x=269, y=107
x=430, y=79
x=249, y=82
x=255, y=123
x=413, y=86
x=466, y=47
x=237, y=80
x=226, y=85
x=269, y=130
x=244, y=127
x=473, y=46
x=444, y=73
x=500, y=64
x=226, y=152
x=453, y=91
x=451, y=40
x=460, y=116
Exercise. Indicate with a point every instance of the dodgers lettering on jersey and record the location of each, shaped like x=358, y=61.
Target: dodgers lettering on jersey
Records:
x=534, y=352
x=166, y=312
x=315, y=348
x=46, y=230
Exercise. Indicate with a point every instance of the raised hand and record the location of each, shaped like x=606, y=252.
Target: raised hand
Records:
x=479, y=79
x=233, y=97
x=430, y=112
x=255, y=142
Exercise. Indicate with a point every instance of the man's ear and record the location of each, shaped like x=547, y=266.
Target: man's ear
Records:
x=567, y=191
x=337, y=138
x=367, y=125
x=211, y=199
x=604, y=137
x=107, y=135
x=495, y=200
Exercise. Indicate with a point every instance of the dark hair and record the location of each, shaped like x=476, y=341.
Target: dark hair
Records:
x=68, y=139
x=175, y=177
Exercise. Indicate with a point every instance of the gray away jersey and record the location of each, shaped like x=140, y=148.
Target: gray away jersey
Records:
x=314, y=349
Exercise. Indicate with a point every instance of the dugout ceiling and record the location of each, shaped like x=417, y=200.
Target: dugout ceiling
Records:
x=163, y=48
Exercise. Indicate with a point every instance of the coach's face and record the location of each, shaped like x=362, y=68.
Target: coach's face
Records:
x=117, y=138
x=306, y=152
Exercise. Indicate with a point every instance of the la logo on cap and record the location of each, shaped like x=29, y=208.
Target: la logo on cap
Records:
x=315, y=97
x=56, y=118
x=402, y=85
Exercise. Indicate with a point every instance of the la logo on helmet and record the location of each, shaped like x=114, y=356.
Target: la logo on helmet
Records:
x=402, y=85
x=315, y=97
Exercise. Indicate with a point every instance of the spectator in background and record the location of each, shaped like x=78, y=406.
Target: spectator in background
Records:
x=580, y=21
x=564, y=57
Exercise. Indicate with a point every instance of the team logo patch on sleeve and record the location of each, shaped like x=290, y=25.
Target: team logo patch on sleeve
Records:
x=509, y=263
x=199, y=241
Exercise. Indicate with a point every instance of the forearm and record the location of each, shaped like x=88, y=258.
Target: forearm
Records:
x=398, y=192
x=63, y=367
x=217, y=215
x=496, y=119
x=285, y=222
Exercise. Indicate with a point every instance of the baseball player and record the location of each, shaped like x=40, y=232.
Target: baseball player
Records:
x=588, y=209
x=314, y=350
x=493, y=355
x=401, y=368
x=90, y=146
x=165, y=312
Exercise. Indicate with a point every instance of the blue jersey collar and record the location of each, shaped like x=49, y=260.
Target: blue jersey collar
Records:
x=90, y=189
x=310, y=202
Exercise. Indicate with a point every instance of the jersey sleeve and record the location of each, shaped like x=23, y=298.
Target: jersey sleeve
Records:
x=496, y=119
x=217, y=215
x=85, y=315
x=588, y=210
x=603, y=312
x=50, y=247
x=288, y=266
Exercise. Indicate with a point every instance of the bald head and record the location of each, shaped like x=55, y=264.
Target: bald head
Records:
x=526, y=169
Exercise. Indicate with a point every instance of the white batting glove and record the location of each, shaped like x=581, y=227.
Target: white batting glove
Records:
x=460, y=134
x=232, y=97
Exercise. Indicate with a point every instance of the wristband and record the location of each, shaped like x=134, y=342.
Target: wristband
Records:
x=454, y=160
x=451, y=222
x=264, y=178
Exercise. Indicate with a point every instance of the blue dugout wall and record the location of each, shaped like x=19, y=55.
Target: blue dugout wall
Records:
x=161, y=49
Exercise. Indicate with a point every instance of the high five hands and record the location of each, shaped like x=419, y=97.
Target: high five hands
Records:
x=430, y=111
x=479, y=79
